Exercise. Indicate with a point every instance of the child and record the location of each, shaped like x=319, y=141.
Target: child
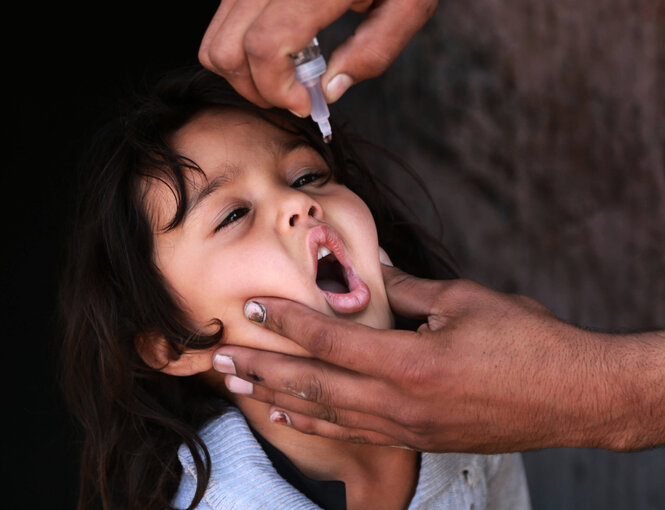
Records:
x=197, y=201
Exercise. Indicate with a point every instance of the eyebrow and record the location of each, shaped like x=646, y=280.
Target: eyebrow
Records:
x=227, y=175
x=231, y=172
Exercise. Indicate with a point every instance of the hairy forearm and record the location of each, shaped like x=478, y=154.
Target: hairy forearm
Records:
x=636, y=377
x=574, y=388
x=615, y=398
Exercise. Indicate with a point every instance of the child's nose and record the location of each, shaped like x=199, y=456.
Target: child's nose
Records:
x=294, y=218
x=297, y=208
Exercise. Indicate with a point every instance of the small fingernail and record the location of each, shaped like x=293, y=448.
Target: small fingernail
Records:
x=337, y=86
x=401, y=447
x=280, y=417
x=255, y=312
x=384, y=258
x=238, y=385
x=224, y=364
x=296, y=114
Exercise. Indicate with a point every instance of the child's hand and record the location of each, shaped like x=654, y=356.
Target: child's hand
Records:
x=488, y=372
x=250, y=42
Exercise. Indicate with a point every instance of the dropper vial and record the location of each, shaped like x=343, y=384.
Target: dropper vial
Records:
x=310, y=65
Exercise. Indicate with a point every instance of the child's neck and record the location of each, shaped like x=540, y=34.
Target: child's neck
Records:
x=375, y=476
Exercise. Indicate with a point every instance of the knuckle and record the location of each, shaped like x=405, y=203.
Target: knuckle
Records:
x=355, y=437
x=327, y=413
x=259, y=44
x=307, y=425
x=307, y=387
x=412, y=378
x=409, y=421
x=415, y=380
x=204, y=58
x=418, y=372
x=396, y=414
x=311, y=388
x=375, y=61
x=226, y=59
x=424, y=443
x=416, y=423
x=323, y=341
x=420, y=426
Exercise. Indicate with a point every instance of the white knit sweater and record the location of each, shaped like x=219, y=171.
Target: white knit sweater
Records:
x=243, y=477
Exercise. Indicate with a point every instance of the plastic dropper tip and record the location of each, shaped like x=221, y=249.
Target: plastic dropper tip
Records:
x=324, y=127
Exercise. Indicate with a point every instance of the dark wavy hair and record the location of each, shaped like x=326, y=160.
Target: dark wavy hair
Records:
x=134, y=417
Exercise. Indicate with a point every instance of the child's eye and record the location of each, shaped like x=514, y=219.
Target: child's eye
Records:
x=318, y=176
x=233, y=216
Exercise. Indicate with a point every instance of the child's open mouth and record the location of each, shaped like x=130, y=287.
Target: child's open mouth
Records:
x=344, y=291
x=330, y=273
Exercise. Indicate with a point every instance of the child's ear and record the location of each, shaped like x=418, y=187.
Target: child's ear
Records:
x=157, y=353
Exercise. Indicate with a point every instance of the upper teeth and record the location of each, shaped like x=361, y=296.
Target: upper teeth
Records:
x=323, y=251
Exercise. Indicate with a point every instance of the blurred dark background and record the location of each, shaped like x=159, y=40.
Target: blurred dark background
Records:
x=539, y=128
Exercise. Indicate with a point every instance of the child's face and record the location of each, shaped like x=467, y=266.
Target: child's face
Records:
x=255, y=225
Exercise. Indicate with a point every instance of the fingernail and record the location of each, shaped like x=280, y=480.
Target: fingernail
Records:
x=384, y=258
x=402, y=447
x=296, y=114
x=337, y=86
x=238, y=385
x=224, y=364
x=255, y=312
x=280, y=417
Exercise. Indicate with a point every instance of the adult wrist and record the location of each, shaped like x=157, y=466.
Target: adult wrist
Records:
x=625, y=404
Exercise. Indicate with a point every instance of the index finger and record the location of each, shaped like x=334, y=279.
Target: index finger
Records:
x=341, y=342
x=222, y=48
x=211, y=31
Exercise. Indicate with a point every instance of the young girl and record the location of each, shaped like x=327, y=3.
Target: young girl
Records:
x=197, y=201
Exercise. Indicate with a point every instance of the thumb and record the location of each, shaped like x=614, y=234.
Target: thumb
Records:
x=376, y=43
x=410, y=296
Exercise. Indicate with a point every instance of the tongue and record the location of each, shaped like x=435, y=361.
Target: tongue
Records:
x=332, y=286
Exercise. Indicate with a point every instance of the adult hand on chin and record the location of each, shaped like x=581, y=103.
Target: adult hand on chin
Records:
x=486, y=372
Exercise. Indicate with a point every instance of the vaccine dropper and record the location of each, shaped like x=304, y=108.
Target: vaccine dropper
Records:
x=310, y=65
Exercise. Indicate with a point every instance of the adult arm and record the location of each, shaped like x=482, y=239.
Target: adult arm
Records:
x=249, y=42
x=488, y=372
